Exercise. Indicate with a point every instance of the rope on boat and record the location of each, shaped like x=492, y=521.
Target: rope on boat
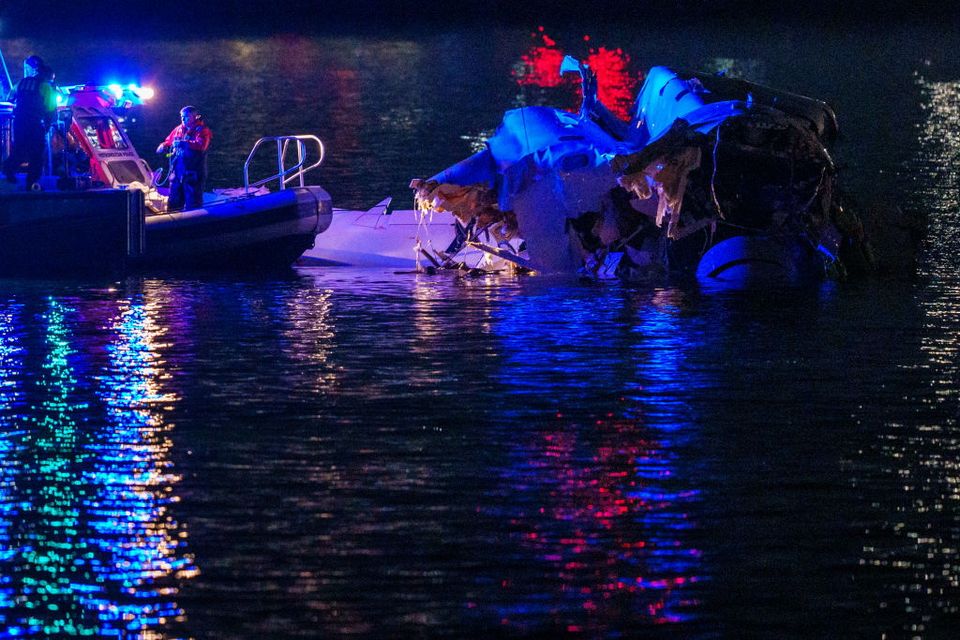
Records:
x=713, y=176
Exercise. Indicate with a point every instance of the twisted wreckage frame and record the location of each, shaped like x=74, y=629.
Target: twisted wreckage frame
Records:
x=720, y=177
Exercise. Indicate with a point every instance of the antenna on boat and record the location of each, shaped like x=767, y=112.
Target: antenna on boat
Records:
x=6, y=74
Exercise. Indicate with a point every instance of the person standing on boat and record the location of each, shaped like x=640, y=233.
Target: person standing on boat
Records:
x=188, y=143
x=36, y=106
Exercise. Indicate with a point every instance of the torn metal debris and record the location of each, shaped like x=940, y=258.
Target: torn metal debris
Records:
x=718, y=177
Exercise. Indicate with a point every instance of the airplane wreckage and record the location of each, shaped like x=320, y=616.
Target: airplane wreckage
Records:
x=717, y=177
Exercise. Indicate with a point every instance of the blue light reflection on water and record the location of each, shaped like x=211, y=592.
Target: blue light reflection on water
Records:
x=88, y=547
x=48, y=551
x=458, y=456
x=133, y=482
x=598, y=501
x=10, y=437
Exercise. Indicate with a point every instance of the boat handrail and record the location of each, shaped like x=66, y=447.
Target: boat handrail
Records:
x=285, y=174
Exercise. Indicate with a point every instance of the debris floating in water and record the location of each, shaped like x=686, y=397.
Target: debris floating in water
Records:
x=701, y=160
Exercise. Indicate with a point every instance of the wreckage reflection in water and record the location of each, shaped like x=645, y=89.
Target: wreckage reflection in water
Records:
x=460, y=457
x=598, y=503
x=87, y=544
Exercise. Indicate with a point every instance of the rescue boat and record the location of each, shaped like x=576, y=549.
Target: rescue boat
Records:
x=100, y=206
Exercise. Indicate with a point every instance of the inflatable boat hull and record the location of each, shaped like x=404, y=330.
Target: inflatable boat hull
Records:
x=267, y=230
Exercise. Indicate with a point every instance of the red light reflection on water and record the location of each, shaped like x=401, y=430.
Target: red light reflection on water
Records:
x=616, y=83
x=541, y=65
x=610, y=528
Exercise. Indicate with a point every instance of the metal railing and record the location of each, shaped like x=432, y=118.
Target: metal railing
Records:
x=284, y=174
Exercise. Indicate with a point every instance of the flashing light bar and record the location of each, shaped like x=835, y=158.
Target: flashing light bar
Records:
x=121, y=95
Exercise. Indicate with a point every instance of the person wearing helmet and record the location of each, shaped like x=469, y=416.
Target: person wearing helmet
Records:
x=35, y=107
x=188, y=144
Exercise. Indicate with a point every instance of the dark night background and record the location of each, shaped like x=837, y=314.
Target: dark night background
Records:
x=235, y=16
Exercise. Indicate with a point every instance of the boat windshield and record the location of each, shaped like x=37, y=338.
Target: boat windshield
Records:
x=102, y=132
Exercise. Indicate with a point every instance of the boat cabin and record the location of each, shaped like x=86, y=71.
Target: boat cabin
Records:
x=88, y=146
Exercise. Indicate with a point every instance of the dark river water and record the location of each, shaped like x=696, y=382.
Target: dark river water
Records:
x=349, y=453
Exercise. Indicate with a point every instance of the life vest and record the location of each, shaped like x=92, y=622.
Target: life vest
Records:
x=32, y=97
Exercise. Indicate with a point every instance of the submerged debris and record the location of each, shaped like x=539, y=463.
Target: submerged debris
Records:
x=712, y=176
